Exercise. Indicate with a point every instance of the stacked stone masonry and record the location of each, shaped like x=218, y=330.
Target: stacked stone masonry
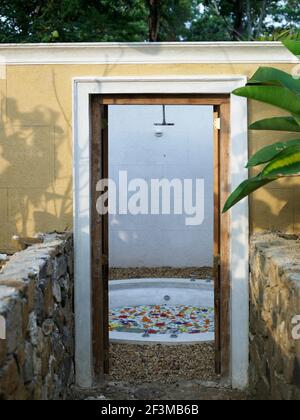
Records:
x=274, y=315
x=36, y=303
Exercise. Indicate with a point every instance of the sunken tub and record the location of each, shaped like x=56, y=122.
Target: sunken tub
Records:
x=161, y=330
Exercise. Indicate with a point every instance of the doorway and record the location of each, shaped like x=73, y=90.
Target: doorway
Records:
x=100, y=223
x=84, y=88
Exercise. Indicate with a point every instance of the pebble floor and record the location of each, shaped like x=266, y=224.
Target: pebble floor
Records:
x=181, y=390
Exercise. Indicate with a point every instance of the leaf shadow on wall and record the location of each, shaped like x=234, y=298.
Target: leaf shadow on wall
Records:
x=275, y=208
x=38, y=199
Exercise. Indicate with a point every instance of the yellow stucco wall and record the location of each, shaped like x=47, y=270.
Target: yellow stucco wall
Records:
x=36, y=147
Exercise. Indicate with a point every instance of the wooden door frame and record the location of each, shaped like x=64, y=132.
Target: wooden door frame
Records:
x=99, y=242
x=99, y=224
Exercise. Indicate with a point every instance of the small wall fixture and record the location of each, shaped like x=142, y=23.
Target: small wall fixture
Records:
x=159, y=126
x=159, y=132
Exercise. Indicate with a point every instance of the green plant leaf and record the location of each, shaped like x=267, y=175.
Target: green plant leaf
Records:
x=286, y=163
x=277, y=96
x=293, y=46
x=277, y=124
x=268, y=153
x=280, y=89
x=275, y=77
x=297, y=119
x=244, y=189
x=55, y=34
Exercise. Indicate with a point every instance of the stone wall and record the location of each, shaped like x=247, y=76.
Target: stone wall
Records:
x=36, y=301
x=275, y=301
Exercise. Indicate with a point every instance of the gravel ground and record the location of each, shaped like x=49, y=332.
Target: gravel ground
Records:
x=160, y=272
x=140, y=363
x=182, y=390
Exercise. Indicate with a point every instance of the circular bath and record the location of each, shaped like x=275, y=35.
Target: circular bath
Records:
x=161, y=329
x=165, y=311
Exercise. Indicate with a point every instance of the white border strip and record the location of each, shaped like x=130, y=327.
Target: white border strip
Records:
x=143, y=53
x=82, y=89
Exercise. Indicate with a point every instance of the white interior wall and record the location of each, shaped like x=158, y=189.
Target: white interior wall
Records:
x=184, y=151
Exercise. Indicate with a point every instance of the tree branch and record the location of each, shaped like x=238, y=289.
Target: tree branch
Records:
x=231, y=30
x=262, y=17
x=249, y=19
x=153, y=6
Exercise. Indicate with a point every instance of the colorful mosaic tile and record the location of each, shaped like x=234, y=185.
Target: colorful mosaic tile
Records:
x=164, y=319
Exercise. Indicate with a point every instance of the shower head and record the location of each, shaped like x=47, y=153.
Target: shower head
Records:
x=164, y=123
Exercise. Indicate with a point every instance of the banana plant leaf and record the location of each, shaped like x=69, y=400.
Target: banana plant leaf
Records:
x=297, y=119
x=266, y=154
x=293, y=46
x=277, y=124
x=275, y=77
x=280, y=89
x=286, y=163
x=244, y=189
x=279, y=96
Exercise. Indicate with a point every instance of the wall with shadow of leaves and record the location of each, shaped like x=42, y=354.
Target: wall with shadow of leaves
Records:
x=277, y=206
x=36, y=146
